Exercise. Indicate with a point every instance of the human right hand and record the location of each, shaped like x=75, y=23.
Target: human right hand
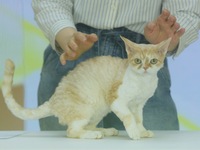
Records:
x=74, y=43
x=162, y=28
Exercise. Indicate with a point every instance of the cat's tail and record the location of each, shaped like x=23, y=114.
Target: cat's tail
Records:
x=19, y=111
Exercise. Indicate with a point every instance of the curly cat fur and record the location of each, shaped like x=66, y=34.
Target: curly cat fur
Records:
x=95, y=88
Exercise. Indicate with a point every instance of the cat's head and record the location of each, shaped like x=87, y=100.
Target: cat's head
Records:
x=146, y=58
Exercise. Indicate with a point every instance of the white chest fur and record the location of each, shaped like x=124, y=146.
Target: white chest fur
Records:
x=137, y=87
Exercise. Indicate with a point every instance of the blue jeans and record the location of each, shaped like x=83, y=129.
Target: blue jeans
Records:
x=159, y=112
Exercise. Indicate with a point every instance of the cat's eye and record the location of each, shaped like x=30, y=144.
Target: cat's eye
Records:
x=154, y=61
x=137, y=61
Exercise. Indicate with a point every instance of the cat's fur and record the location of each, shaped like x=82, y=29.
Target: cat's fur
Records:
x=95, y=88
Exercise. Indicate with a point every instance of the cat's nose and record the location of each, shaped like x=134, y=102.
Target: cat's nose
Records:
x=145, y=68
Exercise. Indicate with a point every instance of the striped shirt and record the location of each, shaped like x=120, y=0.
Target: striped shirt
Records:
x=54, y=15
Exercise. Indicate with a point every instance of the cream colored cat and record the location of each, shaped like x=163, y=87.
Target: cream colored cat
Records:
x=95, y=88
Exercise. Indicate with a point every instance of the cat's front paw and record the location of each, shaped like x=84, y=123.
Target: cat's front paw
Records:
x=133, y=133
x=147, y=134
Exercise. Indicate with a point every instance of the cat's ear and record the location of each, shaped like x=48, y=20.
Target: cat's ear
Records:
x=130, y=46
x=164, y=46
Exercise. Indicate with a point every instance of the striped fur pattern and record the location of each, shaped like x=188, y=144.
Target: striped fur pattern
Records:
x=95, y=88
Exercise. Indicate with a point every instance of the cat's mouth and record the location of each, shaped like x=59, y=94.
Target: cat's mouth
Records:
x=145, y=72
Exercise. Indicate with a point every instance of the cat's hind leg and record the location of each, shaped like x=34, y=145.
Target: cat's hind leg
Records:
x=108, y=131
x=105, y=131
x=76, y=129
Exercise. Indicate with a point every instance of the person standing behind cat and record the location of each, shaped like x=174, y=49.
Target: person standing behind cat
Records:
x=82, y=29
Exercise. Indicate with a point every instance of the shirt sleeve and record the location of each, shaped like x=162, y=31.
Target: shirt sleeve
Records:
x=187, y=13
x=52, y=16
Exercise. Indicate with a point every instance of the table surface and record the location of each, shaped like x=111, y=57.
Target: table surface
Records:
x=163, y=140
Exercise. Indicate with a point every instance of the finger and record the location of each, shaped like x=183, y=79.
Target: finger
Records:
x=165, y=14
x=70, y=53
x=79, y=37
x=92, y=37
x=67, y=55
x=73, y=46
x=63, y=58
x=163, y=18
x=175, y=27
x=180, y=32
x=150, y=27
x=171, y=20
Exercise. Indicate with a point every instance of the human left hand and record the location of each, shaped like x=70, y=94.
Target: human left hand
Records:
x=162, y=28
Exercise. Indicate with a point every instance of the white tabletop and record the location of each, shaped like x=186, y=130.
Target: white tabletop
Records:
x=47, y=140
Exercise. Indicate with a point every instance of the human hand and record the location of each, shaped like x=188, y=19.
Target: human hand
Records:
x=74, y=43
x=162, y=28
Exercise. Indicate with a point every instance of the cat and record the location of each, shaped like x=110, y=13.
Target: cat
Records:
x=96, y=87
